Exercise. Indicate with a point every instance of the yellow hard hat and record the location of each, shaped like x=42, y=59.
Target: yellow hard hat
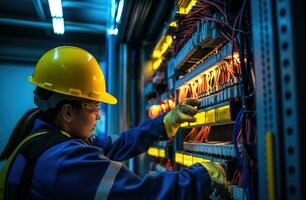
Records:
x=71, y=71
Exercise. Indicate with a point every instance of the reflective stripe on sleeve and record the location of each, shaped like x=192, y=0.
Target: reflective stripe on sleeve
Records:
x=108, y=180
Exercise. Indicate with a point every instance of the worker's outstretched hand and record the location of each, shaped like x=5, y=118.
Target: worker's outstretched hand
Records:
x=183, y=112
x=216, y=172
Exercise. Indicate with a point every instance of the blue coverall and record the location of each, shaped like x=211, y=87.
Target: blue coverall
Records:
x=74, y=170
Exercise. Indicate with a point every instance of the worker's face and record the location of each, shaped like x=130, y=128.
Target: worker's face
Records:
x=84, y=119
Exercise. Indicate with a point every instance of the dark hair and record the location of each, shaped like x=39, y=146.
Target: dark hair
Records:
x=25, y=123
x=20, y=132
x=51, y=113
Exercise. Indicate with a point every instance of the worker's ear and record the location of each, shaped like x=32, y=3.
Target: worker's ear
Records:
x=66, y=113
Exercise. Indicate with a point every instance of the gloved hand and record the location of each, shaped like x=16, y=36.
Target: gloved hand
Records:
x=216, y=172
x=183, y=112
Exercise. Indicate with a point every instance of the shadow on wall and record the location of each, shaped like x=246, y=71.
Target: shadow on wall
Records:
x=16, y=97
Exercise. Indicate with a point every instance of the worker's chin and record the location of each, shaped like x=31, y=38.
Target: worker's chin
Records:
x=87, y=134
x=93, y=129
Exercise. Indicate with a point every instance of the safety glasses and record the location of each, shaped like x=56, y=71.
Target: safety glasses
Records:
x=93, y=107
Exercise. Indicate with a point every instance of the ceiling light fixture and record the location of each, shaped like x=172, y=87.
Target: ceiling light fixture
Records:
x=119, y=11
x=58, y=25
x=56, y=11
x=56, y=8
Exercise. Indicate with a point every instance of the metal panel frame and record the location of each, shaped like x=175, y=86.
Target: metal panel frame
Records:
x=279, y=45
x=112, y=123
x=267, y=92
x=291, y=34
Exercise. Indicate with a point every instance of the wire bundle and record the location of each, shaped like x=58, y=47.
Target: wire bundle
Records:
x=182, y=93
x=167, y=164
x=244, y=158
x=211, y=81
x=246, y=121
x=235, y=69
x=239, y=154
x=237, y=178
x=205, y=10
x=188, y=24
x=198, y=135
x=161, y=108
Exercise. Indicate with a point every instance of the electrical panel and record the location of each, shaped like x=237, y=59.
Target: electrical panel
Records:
x=204, y=52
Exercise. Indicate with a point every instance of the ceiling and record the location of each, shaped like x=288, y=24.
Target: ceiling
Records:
x=143, y=20
x=26, y=30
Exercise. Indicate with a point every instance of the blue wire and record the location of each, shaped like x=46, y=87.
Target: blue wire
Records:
x=236, y=127
x=238, y=154
x=242, y=163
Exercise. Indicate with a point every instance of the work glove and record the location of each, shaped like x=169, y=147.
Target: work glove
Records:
x=216, y=172
x=181, y=113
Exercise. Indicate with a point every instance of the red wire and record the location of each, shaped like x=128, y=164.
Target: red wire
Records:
x=191, y=134
x=209, y=2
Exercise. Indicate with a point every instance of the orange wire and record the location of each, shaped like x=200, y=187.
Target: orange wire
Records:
x=206, y=133
x=190, y=134
x=199, y=135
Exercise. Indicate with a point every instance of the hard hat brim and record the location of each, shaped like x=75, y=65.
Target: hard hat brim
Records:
x=104, y=97
x=108, y=98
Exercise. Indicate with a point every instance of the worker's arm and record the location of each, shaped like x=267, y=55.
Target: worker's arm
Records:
x=87, y=174
x=188, y=183
x=133, y=141
x=138, y=140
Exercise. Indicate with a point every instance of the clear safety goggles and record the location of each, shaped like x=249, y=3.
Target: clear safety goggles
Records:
x=93, y=107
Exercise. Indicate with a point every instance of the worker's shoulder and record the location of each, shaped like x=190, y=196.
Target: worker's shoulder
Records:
x=58, y=163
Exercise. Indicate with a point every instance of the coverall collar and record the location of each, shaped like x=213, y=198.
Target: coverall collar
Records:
x=40, y=124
